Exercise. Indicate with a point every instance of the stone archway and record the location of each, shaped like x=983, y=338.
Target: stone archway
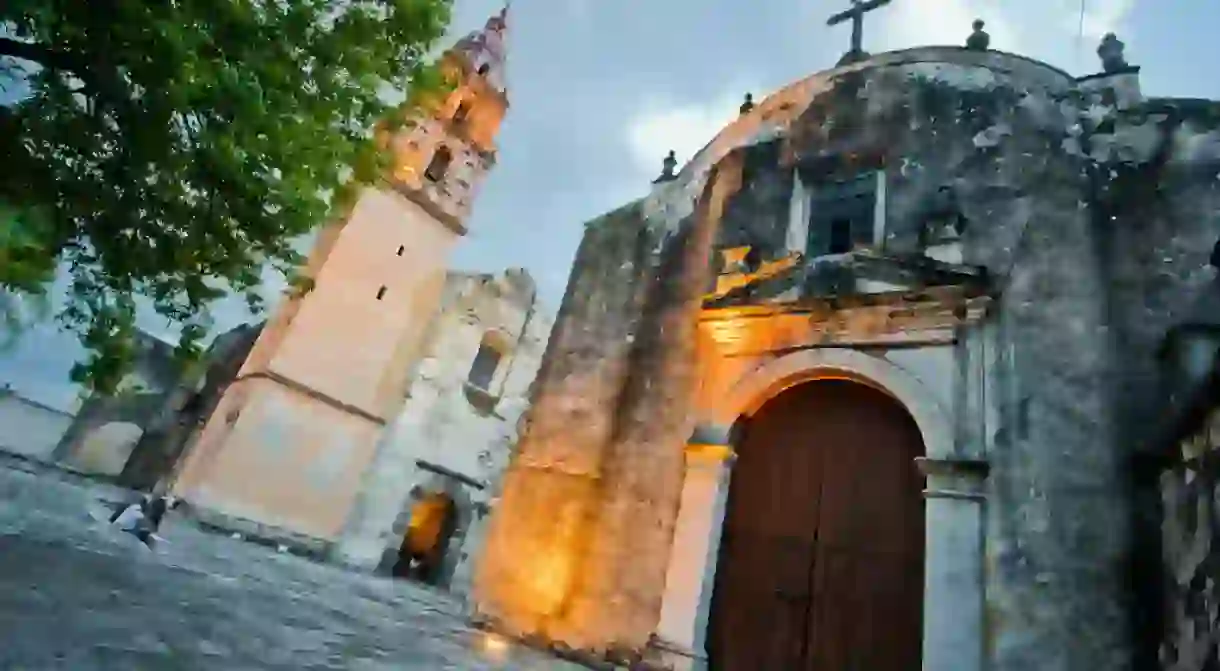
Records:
x=821, y=552
x=952, y=616
x=436, y=495
x=105, y=449
x=108, y=429
x=421, y=553
x=772, y=377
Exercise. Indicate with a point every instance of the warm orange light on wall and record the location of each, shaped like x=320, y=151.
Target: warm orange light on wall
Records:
x=712, y=452
x=549, y=580
x=544, y=573
x=427, y=519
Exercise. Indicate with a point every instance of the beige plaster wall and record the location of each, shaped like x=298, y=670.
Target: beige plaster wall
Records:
x=287, y=460
x=344, y=341
x=292, y=436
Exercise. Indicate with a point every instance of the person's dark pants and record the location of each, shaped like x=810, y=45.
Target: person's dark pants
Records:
x=144, y=535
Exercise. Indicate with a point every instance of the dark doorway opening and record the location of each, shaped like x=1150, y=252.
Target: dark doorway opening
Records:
x=821, y=555
x=432, y=526
x=840, y=236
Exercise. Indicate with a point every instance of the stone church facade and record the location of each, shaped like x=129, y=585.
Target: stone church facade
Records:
x=455, y=431
x=868, y=382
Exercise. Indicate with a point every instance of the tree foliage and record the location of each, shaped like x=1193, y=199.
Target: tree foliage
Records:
x=174, y=149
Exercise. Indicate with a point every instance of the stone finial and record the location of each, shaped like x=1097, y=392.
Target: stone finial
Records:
x=1111, y=53
x=979, y=40
x=667, y=169
x=748, y=104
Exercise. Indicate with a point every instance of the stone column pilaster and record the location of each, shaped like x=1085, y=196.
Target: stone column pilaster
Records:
x=953, y=568
x=680, y=634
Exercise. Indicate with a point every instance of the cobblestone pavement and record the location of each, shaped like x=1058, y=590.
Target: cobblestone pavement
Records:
x=74, y=594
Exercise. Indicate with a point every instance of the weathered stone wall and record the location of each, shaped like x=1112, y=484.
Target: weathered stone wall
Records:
x=165, y=442
x=549, y=491
x=757, y=215
x=1156, y=164
x=108, y=427
x=445, y=423
x=1159, y=216
x=1190, y=525
x=1022, y=148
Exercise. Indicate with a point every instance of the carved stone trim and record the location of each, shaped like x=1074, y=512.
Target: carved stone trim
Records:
x=450, y=473
x=953, y=494
x=954, y=467
x=878, y=318
x=313, y=393
x=958, y=478
x=710, y=444
x=1129, y=70
x=418, y=195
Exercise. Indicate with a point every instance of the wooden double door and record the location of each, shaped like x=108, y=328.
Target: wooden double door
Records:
x=821, y=556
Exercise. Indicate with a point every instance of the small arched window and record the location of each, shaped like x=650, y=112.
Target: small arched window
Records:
x=483, y=370
x=484, y=69
x=439, y=165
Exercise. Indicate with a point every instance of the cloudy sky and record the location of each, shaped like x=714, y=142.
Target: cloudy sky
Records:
x=601, y=89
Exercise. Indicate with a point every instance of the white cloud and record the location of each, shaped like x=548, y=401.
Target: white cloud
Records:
x=943, y=22
x=683, y=127
x=1048, y=30
x=1106, y=16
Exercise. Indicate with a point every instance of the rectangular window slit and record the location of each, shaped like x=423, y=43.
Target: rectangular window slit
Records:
x=401, y=249
x=381, y=293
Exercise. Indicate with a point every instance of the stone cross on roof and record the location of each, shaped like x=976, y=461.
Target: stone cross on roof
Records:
x=856, y=14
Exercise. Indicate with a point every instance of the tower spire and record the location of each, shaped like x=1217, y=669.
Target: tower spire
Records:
x=486, y=49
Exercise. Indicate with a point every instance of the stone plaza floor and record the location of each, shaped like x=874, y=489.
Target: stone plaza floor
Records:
x=77, y=595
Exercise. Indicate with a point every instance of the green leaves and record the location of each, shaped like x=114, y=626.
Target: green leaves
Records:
x=175, y=149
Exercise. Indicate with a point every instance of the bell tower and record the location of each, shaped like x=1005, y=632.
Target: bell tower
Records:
x=289, y=443
x=441, y=159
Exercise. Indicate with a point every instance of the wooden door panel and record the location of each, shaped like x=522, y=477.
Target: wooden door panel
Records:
x=820, y=563
x=865, y=614
x=768, y=593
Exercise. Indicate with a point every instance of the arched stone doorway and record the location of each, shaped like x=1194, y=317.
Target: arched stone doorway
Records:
x=423, y=553
x=821, y=554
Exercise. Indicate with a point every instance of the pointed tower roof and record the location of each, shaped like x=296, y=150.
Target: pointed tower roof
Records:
x=486, y=49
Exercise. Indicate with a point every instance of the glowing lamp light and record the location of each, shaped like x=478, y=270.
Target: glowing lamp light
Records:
x=709, y=441
x=494, y=646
